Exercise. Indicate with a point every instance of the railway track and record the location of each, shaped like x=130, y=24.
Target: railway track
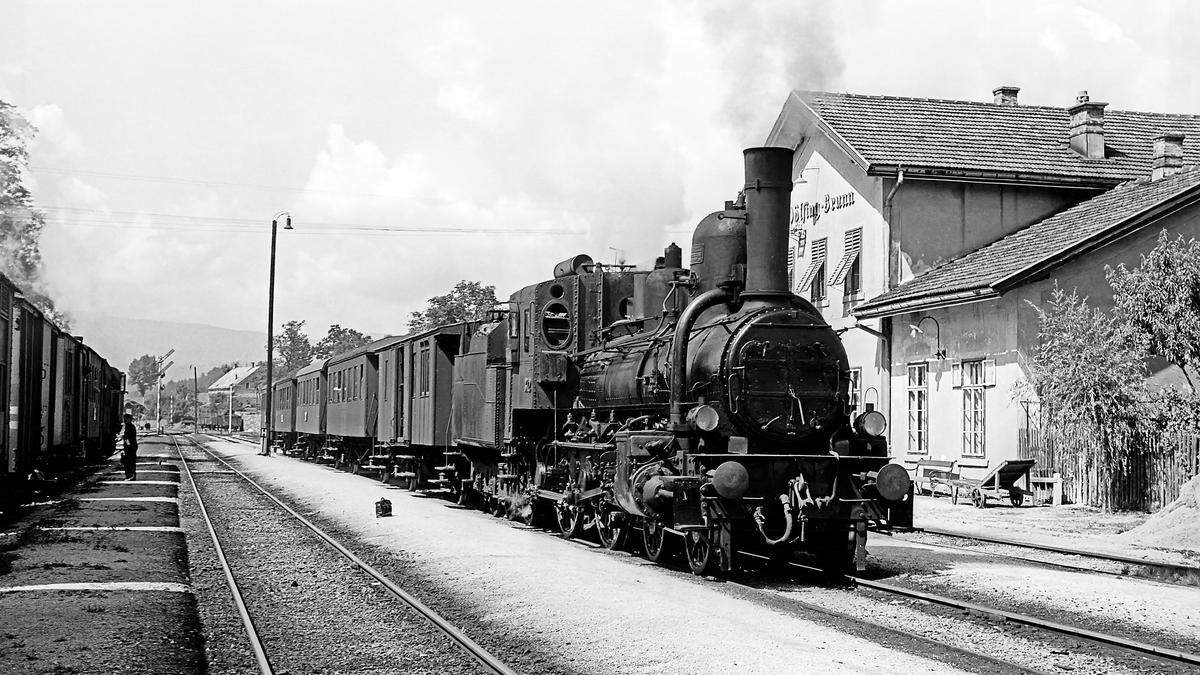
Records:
x=486, y=660
x=1166, y=653
x=1181, y=574
x=1142, y=648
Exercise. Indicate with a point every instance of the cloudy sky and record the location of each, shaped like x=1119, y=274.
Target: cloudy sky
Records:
x=416, y=144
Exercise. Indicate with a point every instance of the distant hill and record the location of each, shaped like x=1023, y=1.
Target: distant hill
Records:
x=122, y=340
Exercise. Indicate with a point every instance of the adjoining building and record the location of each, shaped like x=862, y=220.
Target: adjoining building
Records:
x=924, y=228
x=240, y=385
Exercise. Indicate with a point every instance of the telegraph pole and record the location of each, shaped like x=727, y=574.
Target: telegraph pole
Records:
x=268, y=409
x=195, y=402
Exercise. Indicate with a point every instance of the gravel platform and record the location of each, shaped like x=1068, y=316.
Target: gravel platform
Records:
x=314, y=611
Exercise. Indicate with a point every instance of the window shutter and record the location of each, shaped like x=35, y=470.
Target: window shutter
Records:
x=956, y=375
x=989, y=372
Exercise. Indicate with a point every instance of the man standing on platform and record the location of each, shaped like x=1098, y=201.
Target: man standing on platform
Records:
x=129, y=454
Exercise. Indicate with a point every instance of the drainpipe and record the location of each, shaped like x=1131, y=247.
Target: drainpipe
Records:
x=887, y=205
x=679, y=347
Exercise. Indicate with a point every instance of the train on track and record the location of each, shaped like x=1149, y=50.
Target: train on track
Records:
x=704, y=405
x=60, y=400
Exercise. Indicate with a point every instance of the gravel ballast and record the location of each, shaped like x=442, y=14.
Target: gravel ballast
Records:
x=314, y=611
x=549, y=605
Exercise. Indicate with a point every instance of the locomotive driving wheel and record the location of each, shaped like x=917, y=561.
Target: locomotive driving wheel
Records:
x=702, y=554
x=654, y=538
x=569, y=518
x=611, y=528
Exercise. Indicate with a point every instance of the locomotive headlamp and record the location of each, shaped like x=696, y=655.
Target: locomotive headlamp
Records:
x=871, y=423
x=892, y=482
x=704, y=417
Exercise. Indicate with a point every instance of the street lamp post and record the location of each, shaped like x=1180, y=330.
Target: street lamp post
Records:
x=268, y=409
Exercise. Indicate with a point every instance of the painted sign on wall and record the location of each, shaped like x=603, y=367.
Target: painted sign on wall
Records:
x=810, y=212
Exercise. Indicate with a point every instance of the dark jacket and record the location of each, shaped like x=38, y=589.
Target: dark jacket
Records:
x=130, y=437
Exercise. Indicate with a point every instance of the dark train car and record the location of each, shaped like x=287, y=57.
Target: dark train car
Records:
x=311, y=391
x=65, y=419
x=112, y=409
x=350, y=405
x=28, y=389
x=11, y=464
x=283, y=413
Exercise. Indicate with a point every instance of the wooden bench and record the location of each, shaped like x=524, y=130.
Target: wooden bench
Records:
x=934, y=472
x=997, y=484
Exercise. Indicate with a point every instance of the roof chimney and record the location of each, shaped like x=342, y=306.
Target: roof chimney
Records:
x=1168, y=155
x=1087, y=127
x=1005, y=95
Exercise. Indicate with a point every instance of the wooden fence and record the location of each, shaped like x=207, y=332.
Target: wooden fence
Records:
x=1155, y=466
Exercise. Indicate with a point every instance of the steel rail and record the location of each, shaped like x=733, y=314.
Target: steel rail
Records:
x=1032, y=561
x=260, y=654
x=1177, y=568
x=776, y=595
x=484, y=657
x=1074, y=631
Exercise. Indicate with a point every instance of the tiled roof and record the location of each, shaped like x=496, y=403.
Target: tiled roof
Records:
x=233, y=378
x=976, y=136
x=980, y=271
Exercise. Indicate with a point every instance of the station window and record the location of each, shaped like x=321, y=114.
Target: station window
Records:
x=854, y=279
x=816, y=273
x=918, y=408
x=855, y=389
x=974, y=408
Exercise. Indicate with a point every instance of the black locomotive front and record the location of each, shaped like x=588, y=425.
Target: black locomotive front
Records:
x=736, y=430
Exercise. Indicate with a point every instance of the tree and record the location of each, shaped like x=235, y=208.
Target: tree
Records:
x=20, y=224
x=1161, y=299
x=292, y=347
x=143, y=373
x=1089, y=372
x=468, y=301
x=340, y=340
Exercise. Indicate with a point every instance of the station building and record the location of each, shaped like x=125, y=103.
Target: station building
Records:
x=923, y=229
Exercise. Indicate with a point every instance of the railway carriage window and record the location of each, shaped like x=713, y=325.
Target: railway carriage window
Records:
x=918, y=408
x=385, y=381
x=424, y=373
x=974, y=408
x=855, y=388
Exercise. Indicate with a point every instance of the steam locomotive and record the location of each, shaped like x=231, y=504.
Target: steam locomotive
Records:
x=705, y=406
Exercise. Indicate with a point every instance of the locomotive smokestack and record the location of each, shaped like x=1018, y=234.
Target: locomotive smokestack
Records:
x=768, y=200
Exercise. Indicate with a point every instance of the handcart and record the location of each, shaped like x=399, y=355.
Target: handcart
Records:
x=997, y=484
